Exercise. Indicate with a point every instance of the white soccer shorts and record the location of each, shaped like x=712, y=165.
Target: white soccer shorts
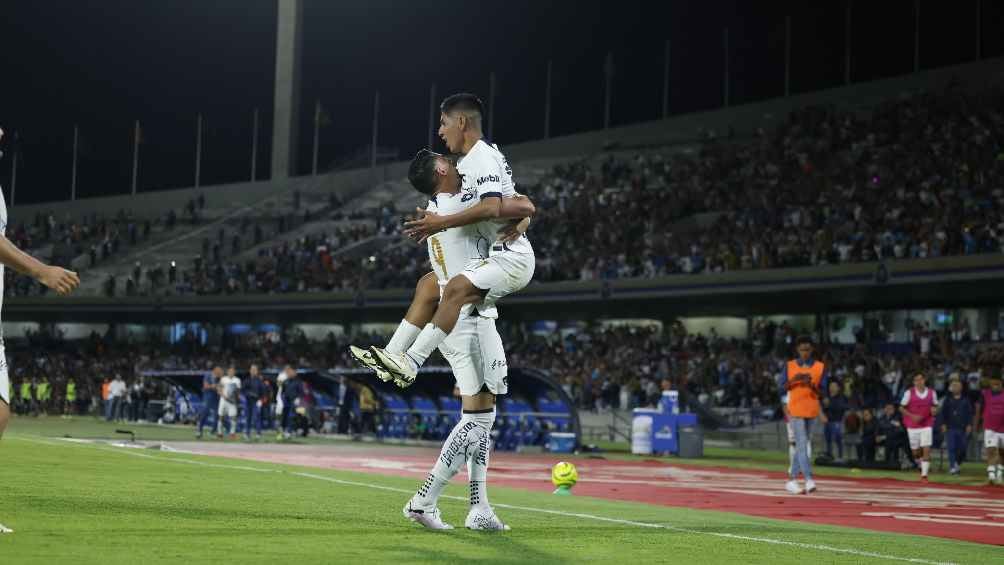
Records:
x=228, y=409
x=501, y=275
x=992, y=439
x=920, y=437
x=474, y=351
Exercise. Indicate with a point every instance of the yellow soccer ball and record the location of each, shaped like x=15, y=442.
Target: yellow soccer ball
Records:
x=564, y=474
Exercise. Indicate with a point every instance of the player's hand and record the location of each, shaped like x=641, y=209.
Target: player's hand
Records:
x=59, y=279
x=944, y=429
x=426, y=224
x=969, y=429
x=513, y=230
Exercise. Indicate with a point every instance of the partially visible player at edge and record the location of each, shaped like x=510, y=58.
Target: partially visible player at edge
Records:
x=992, y=418
x=803, y=379
x=919, y=406
x=507, y=266
x=56, y=278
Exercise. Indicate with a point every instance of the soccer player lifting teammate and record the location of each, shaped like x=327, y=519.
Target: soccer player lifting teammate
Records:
x=505, y=265
x=473, y=349
x=57, y=278
x=919, y=406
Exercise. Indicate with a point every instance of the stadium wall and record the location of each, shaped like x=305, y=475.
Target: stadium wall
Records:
x=948, y=282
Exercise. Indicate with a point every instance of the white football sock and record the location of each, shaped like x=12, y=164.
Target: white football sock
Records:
x=478, y=455
x=451, y=459
x=425, y=344
x=924, y=467
x=991, y=471
x=403, y=337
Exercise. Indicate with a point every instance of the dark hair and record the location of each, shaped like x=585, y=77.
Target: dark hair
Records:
x=803, y=339
x=422, y=171
x=463, y=101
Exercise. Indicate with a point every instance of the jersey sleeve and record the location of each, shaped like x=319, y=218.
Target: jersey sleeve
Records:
x=487, y=179
x=906, y=398
x=505, y=174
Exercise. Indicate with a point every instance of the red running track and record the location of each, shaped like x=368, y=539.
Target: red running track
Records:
x=906, y=506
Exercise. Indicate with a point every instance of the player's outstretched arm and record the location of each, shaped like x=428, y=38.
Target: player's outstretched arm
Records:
x=489, y=208
x=56, y=278
x=429, y=223
x=517, y=208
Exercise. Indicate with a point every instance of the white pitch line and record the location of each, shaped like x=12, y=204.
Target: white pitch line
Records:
x=771, y=541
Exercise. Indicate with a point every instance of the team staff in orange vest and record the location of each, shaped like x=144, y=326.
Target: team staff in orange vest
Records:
x=802, y=380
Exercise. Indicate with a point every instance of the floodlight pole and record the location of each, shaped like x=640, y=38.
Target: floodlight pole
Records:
x=198, y=149
x=665, y=82
x=608, y=72
x=13, y=176
x=847, y=41
x=491, y=105
x=547, y=100
x=916, y=36
x=73, y=173
x=979, y=29
x=432, y=115
x=787, y=56
x=376, y=124
x=254, y=145
x=135, y=156
x=317, y=136
x=725, y=67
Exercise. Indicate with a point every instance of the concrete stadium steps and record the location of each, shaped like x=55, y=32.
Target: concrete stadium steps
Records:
x=185, y=245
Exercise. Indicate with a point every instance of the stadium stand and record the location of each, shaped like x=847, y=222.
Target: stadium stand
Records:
x=916, y=177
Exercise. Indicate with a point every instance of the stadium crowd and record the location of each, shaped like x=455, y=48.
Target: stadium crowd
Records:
x=601, y=368
x=919, y=176
x=95, y=237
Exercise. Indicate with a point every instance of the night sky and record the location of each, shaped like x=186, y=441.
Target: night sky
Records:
x=163, y=62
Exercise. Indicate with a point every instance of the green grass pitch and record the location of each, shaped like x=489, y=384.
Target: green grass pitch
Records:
x=91, y=503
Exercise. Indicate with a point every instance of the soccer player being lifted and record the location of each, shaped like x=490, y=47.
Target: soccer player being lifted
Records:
x=473, y=348
x=56, y=278
x=504, y=264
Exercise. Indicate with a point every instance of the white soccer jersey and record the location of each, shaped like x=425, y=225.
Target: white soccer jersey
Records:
x=453, y=250
x=231, y=386
x=485, y=172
